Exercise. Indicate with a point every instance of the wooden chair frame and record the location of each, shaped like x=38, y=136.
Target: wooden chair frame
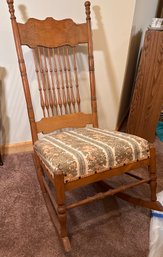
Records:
x=24, y=34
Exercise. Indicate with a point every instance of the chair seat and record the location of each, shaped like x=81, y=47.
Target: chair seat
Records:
x=82, y=152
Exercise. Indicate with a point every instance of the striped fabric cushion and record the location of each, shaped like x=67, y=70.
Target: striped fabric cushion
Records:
x=82, y=152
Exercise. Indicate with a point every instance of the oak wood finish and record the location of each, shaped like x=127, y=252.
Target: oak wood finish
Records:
x=78, y=120
x=54, y=47
x=148, y=93
x=1, y=162
x=43, y=33
x=155, y=205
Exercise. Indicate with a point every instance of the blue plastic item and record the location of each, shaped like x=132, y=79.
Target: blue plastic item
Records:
x=159, y=130
x=156, y=231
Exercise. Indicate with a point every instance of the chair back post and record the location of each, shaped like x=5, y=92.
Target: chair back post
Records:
x=91, y=65
x=22, y=70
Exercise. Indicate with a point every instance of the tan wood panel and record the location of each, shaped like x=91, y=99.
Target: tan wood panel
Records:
x=148, y=94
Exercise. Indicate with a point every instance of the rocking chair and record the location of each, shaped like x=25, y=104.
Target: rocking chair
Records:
x=70, y=150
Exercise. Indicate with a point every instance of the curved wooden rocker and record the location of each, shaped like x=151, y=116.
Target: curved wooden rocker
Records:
x=83, y=155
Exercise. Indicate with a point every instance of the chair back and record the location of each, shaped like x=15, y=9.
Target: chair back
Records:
x=57, y=47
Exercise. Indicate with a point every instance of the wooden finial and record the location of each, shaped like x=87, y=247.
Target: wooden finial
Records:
x=11, y=8
x=87, y=10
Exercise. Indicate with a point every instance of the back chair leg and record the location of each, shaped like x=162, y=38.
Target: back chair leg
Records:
x=155, y=205
x=61, y=210
x=39, y=172
x=153, y=175
x=1, y=162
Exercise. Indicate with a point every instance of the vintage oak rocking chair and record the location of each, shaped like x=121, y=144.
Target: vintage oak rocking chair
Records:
x=83, y=154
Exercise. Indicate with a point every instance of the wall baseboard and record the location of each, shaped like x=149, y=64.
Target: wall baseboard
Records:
x=16, y=148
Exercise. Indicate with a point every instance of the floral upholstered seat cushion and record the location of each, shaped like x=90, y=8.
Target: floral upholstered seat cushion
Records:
x=82, y=152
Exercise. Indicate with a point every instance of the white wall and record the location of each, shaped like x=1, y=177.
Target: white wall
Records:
x=112, y=25
x=144, y=11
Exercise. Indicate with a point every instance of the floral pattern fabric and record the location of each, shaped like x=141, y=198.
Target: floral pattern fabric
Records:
x=82, y=152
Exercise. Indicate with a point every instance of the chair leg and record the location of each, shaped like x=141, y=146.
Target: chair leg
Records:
x=60, y=199
x=1, y=162
x=155, y=205
x=62, y=216
x=39, y=172
x=152, y=174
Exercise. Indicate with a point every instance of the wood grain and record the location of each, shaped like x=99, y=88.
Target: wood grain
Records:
x=148, y=93
x=52, y=33
x=78, y=120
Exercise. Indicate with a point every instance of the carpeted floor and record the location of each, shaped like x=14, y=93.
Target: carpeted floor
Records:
x=108, y=228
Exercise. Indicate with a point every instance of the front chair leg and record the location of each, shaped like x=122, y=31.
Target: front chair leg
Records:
x=61, y=210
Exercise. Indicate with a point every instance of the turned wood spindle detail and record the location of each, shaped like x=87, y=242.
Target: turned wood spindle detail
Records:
x=57, y=77
x=51, y=103
x=39, y=81
x=11, y=9
x=43, y=78
x=76, y=78
x=57, y=82
x=60, y=63
x=87, y=10
x=91, y=64
x=52, y=80
x=70, y=80
x=66, y=70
